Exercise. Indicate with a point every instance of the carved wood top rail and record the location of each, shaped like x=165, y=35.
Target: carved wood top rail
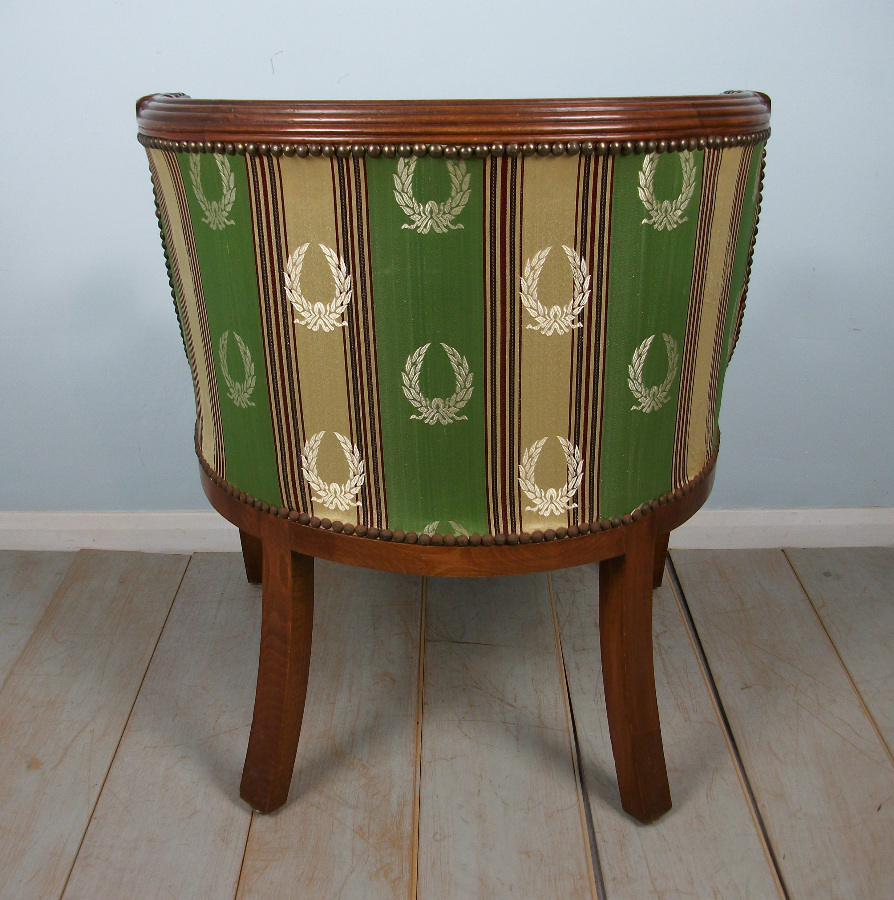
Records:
x=740, y=117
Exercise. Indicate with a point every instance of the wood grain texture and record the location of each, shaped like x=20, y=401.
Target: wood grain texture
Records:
x=168, y=822
x=179, y=117
x=625, y=636
x=707, y=845
x=500, y=808
x=64, y=706
x=27, y=584
x=820, y=773
x=852, y=591
x=347, y=829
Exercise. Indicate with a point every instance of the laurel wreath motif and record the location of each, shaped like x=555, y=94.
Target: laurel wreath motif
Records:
x=318, y=315
x=458, y=530
x=437, y=409
x=556, y=319
x=551, y=502
x=331, y=494
x=432, y=216
x=238, y=391
x=651, y=398
x=215, y=211
x=666, y=213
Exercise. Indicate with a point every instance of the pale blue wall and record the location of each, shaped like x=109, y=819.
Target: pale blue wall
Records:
x=95, y=401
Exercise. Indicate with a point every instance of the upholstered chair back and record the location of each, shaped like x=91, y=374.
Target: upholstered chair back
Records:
x=458, y=338
x=448, y=342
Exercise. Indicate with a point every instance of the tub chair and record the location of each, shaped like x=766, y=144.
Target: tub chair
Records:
x=458, y=338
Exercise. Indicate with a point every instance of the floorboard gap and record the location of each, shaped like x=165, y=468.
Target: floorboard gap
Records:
x=417, y=791
x=251, y=822
x=124, y=728
x=595, y=863
x=724, y=723
x=847, y=671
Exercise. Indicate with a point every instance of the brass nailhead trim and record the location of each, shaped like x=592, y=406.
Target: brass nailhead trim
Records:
x=449, y=540
x=740, y=312
x=463, y=151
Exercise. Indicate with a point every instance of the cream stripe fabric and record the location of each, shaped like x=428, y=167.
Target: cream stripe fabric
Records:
x=549, y=202
x=309, y=212
x=723, y=232
x=189, y=286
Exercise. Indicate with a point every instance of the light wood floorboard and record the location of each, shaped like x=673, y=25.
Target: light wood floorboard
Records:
x=438, y=757
x=348, y=829
x=708, y=845
x=27, y=584
x=170, y=822
x=821, y=775
x=65, y=704
x=500, y=810
x=853, y=594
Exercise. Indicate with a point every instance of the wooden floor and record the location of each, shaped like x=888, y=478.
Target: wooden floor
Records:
x=454, y=743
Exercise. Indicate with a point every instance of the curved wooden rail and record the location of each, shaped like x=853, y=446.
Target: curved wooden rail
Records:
x=415, y=559
x=181, y=118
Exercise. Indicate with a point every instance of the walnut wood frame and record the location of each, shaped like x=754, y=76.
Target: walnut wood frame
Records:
x=418, y=126
x=279, y=545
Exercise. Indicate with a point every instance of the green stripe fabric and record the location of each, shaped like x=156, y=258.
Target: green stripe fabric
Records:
x=428, y=288
x=650, y=271
x=217, y=191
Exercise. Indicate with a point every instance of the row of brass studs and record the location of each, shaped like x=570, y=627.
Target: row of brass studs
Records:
x=466, y=151
x=740, y=313
x=450, y=540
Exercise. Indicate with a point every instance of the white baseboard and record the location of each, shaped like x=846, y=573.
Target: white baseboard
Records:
x=151, y=532
x=186, y=532
x=741, y=529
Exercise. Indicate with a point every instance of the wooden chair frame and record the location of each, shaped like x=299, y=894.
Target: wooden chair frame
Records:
x=279, y=545
x=279, y=553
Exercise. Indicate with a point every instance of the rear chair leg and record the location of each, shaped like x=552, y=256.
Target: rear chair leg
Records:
x=661, y=543
x=252, y=556
x=625, y=633
x=286, y=630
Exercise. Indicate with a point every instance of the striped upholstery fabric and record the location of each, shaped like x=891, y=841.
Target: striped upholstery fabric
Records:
x=475, y=345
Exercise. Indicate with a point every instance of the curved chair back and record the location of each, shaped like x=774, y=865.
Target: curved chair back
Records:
x=472, y=325
x=458, y=318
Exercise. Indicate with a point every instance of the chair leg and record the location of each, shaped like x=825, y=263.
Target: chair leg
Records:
x=625, y=633
x=286, y=630
x=661, y=543
x=252, y=556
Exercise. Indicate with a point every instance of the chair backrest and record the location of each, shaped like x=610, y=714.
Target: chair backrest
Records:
x=458, y=317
